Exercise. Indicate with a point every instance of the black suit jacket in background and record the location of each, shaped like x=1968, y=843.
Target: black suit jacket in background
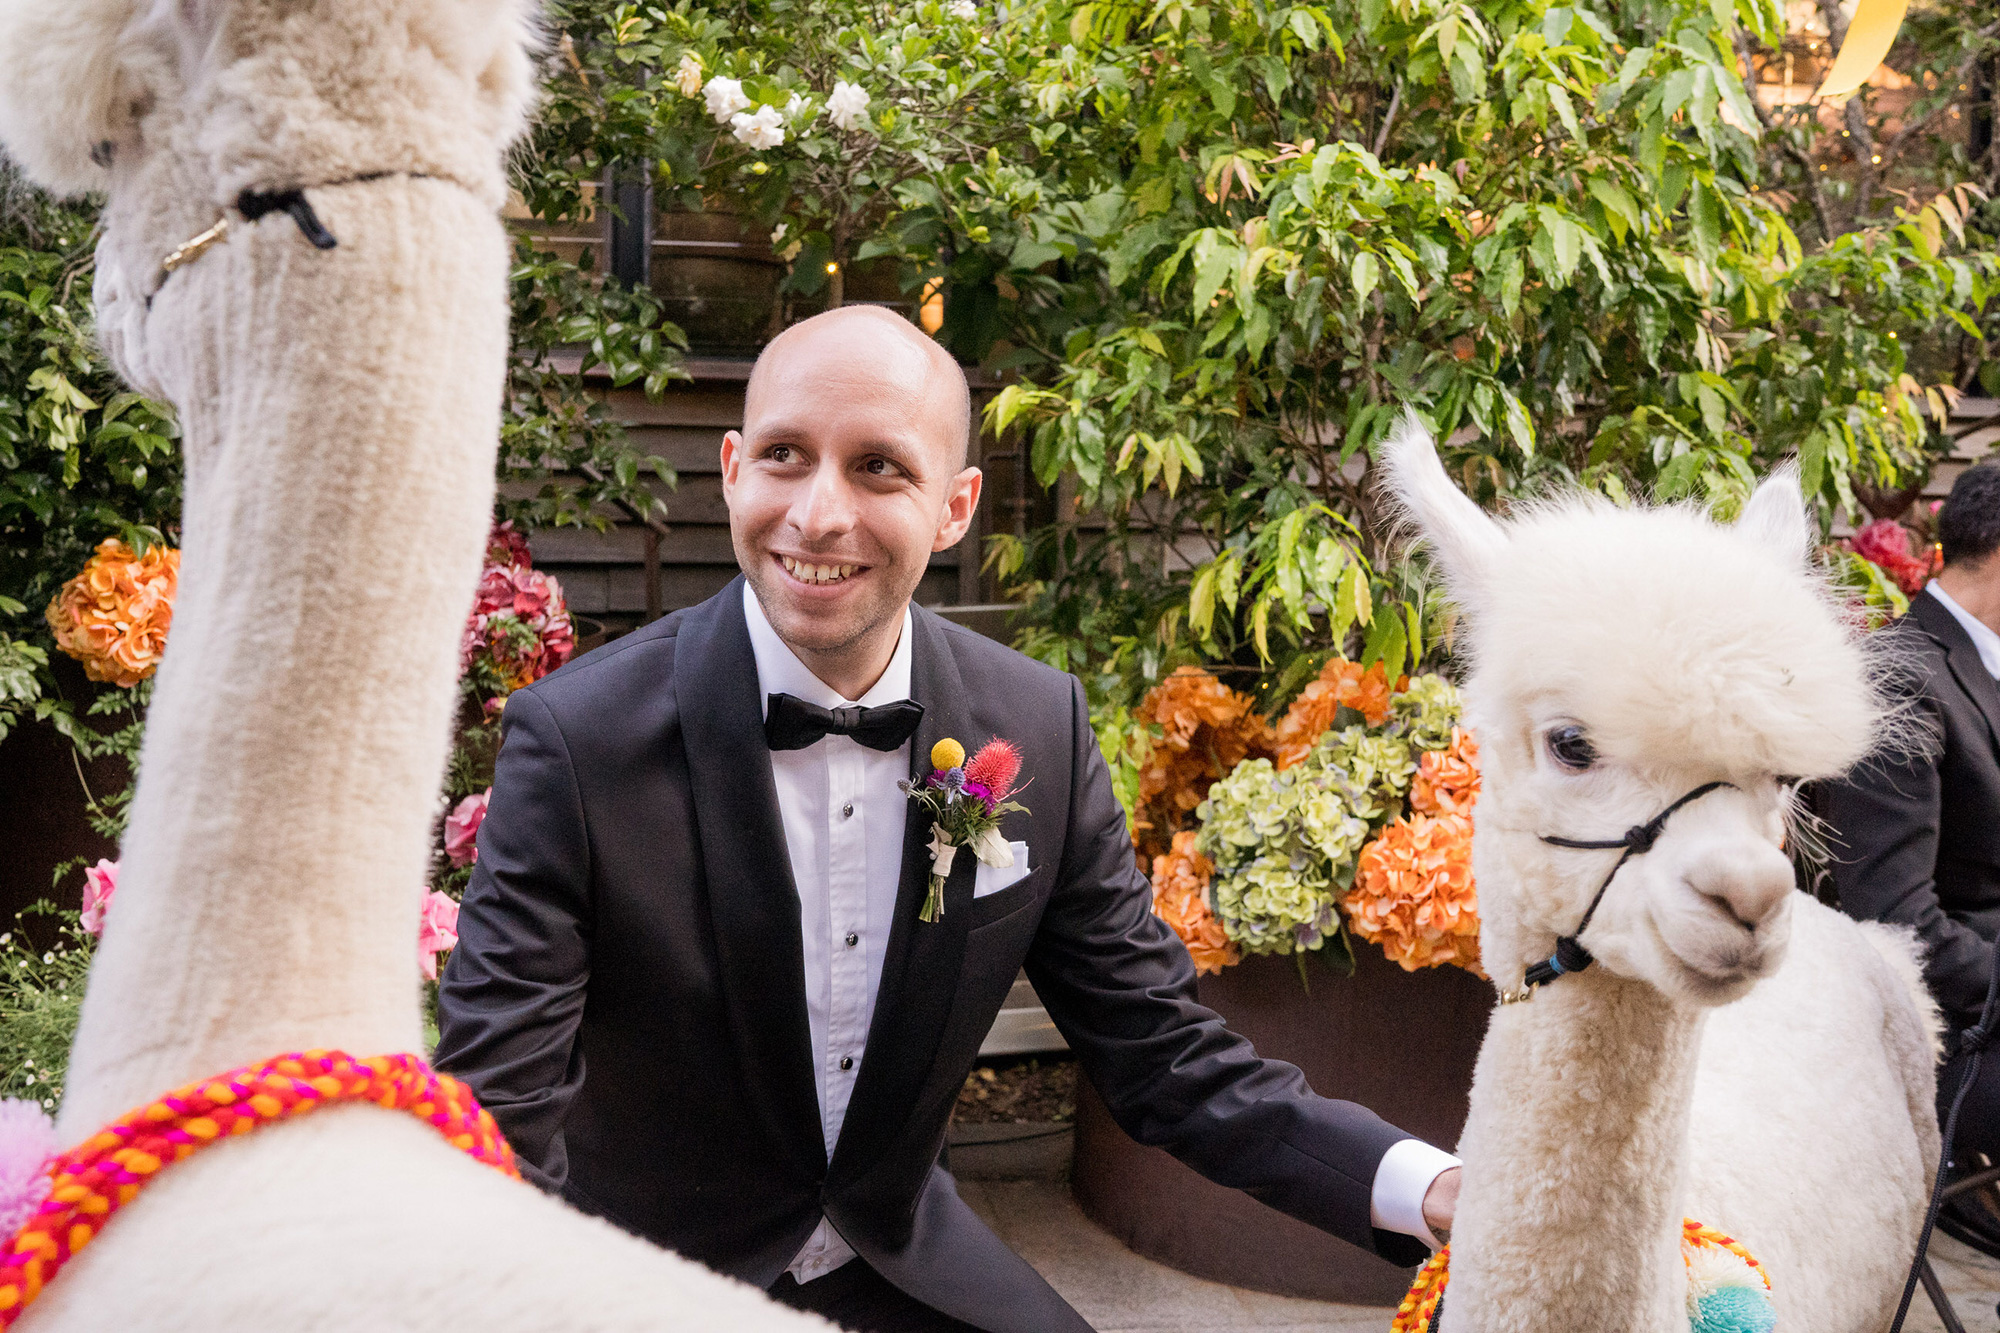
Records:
x=628, y=992
x=1915, y=838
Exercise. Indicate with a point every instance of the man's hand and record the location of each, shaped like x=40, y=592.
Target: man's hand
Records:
x=1441, y=1204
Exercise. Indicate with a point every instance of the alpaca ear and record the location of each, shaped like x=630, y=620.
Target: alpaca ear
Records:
x=1775, y=517
x=1464, y=539
x=66, y=96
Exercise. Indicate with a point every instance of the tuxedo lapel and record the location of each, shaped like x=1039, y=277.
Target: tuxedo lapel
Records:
x=752, y=902
x=920, y=969
x=1962, y=655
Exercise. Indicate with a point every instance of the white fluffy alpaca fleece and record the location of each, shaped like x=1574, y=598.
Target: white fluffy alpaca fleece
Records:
x=1738, y=1053
x=66, y=105
x=340, y=414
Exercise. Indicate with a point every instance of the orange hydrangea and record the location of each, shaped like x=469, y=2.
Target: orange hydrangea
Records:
x=1311, y=715
x=114, y=616
x=1207, y=729
x=1413, y=893
x=1180, y=898
x=1447, y=779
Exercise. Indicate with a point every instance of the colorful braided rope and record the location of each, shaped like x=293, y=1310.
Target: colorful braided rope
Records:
x=1421, y=1306
x=98, y=1177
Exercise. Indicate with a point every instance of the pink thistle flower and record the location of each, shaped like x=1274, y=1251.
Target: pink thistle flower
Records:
x=27, y=1142
x=437, y=931
x=461, y=829
x=99, y=883
x=995, y=767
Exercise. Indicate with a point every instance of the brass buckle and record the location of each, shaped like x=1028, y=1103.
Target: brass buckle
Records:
x=194, y=247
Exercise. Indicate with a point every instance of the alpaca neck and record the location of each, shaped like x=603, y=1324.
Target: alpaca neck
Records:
x=1575, y=1149
x=340, y=413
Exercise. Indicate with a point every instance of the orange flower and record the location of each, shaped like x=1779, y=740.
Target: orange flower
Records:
x=1413, y=893
x=1180, y=898
x=114, y=616
x=1207, y=729
x=1447, y=779
x=1311, y=715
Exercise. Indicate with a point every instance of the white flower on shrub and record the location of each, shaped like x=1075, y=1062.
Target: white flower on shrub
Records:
x=687, y=76
x=847, y=106
x=725, y=98
x=795, y=106
x=763, y=130
x=962, y=9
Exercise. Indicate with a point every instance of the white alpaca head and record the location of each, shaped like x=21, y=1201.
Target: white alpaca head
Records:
x=1620, y=659
x=174, y=108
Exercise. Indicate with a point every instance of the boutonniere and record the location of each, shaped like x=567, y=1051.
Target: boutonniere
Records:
x=965, y=802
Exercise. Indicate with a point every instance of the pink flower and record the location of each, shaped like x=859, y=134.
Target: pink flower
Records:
x=1887, y=544
x=504, y=546
x=99, y=883
x=461, y=829
x=27, y=1142
x=995, y=767
x=437, y=931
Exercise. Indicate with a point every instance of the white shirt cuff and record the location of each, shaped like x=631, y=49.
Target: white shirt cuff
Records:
x=1396, y=1203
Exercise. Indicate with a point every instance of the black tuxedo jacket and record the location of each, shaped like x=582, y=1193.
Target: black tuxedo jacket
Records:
x=1916, y=838
x=627, y=996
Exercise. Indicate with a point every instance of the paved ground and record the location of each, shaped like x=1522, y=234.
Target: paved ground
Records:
x=1119, y=1292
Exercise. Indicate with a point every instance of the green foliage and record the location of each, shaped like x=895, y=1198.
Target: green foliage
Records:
x=919, y=165
x=1547, y=229
x=41, y=996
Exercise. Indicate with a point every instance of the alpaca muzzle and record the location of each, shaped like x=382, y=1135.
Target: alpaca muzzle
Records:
x=1570, y=954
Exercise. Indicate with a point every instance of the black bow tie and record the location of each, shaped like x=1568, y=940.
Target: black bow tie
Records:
x=793, y=724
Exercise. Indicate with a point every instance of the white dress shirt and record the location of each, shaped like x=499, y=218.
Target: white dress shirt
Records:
x=1983, y=637
x=843, y=817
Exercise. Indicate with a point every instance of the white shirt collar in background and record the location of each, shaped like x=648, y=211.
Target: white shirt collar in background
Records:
x=1983, y=637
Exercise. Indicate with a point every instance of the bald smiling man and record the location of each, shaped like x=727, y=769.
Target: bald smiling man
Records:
x=692, y=983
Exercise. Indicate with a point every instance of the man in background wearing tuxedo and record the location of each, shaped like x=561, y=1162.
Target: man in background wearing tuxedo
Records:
x=1915, y=837
x=691, y=982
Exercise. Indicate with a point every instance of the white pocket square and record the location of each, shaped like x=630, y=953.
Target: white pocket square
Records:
x=992, y=879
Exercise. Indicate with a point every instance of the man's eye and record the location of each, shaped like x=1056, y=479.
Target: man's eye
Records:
x=1569, y=745
x=879, y=467
x=781, y=453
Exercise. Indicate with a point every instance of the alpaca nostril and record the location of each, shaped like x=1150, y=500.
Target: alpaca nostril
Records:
x=1748, y=895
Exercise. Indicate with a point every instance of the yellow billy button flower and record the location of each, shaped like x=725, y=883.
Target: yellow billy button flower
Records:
x=947, y=753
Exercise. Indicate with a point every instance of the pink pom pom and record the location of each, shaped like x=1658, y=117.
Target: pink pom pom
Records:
x=27, y=1142
x=995, y=767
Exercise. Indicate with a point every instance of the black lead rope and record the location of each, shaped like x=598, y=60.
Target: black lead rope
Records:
x=253, y=205
x=1570, y=955
x=1972, y=1044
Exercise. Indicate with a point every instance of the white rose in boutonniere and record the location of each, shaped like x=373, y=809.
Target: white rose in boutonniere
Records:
x=965, y=802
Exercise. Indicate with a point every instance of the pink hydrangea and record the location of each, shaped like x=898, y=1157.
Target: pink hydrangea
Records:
x=1887, y=544
x=461, y=829
x=27, y=1142
x=99, y=883
x=437, y=931
x=520, y=626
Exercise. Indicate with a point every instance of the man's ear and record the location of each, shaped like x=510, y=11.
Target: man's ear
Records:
x=1462, y=537
x=732, y=458
x=1775, y=516
x=959, y=508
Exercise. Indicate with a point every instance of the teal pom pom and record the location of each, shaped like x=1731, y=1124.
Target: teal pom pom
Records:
x=1735, y=1310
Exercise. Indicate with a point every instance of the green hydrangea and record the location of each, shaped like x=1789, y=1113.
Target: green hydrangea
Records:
x=1376, y=768
x=1284, y=846
x=1426, y=712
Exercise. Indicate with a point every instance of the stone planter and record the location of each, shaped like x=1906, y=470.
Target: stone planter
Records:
x=1401, y=1043
x=717, y=278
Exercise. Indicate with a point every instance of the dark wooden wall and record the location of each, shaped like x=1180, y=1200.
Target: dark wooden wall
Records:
x=603, y=574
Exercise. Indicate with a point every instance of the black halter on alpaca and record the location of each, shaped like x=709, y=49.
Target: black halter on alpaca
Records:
x=1570, y=955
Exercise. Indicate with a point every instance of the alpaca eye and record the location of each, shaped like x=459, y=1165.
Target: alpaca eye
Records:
x=1570, y=746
